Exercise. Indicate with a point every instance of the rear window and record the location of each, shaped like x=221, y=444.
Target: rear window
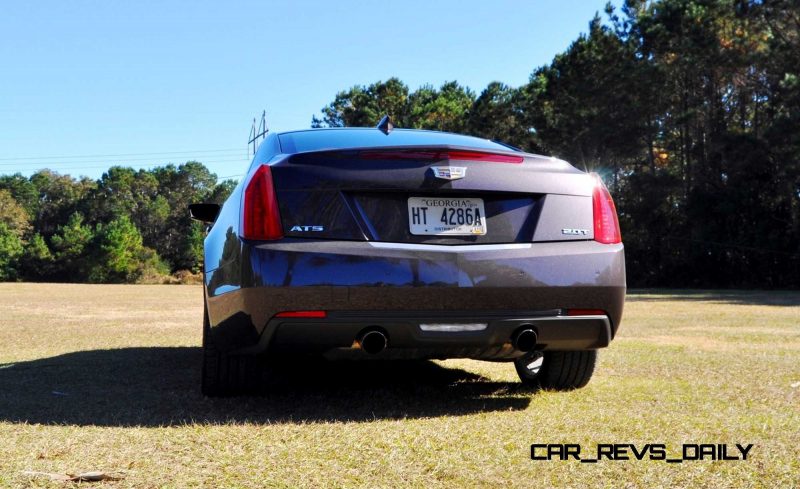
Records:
x=332, y=139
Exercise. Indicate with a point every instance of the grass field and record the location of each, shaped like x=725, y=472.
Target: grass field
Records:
x=105, y=377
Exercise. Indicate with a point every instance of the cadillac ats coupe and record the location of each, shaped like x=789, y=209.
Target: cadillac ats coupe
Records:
x=373, y=243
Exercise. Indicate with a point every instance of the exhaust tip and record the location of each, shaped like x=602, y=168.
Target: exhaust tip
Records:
x=373, y=341
x=525, y=339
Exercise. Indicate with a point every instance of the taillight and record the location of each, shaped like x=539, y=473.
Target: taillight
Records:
x=489, y=157
x=585, y=312
x=260, y=216
x=437, y=155
x=302, y=314
x=606, y=224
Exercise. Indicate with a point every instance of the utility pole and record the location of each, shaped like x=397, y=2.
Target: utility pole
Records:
x=257, y=133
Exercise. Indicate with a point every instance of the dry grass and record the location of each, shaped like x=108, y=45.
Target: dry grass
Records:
x=97, y=377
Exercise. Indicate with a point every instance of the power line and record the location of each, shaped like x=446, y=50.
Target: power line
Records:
x=122, y=160
x=94, y=167
x=120, y=154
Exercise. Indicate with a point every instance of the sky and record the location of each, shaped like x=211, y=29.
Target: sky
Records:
x=88, y=84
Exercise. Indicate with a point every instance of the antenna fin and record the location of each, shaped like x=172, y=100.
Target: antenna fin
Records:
x=385, y=125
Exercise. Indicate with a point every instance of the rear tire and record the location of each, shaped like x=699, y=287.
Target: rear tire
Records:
x=224, y=374
x=529, y=368
x=558, y=370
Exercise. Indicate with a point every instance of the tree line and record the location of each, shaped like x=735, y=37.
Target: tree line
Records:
x=128, y=226
x=689, y=109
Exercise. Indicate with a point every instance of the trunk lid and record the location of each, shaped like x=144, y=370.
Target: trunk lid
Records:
x=371, y=194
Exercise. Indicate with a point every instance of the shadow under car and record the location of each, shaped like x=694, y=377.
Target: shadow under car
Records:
x=157, y=386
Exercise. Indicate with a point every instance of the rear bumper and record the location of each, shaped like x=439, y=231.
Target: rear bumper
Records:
x=337, y=336
x=397, y=287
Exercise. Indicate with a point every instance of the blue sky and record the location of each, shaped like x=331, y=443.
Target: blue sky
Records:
x=164, y=81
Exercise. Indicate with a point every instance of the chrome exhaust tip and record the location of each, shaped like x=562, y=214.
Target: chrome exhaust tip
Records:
x=525, y=340
x=373, y=341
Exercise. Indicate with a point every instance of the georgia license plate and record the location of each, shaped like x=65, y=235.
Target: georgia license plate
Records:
x=446, y=216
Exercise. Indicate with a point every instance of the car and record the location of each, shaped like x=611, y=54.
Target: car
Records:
x=384, y=243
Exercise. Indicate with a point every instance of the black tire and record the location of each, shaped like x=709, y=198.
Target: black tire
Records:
x=529, y=368
x=558, y=370
x=223, y=374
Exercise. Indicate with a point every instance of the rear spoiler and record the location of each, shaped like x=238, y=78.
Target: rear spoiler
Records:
x=419, y=153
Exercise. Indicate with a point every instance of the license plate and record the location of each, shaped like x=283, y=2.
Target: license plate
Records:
x=446, y=216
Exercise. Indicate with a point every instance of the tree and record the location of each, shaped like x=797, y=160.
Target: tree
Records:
x=363, y=106
x=10, y=251
x=497, y=114
x=59, y=196
x=445, y=109
x=588, y=106
x=427, y=108
x=37, y=262
x=13, y=215
x=13, y=226
x=222, y=191
x=134, y=193
x=194, y=250
x=58, y=244
x=22, y=190
x=69, y=244
x=181, y=186
x=121, y=255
